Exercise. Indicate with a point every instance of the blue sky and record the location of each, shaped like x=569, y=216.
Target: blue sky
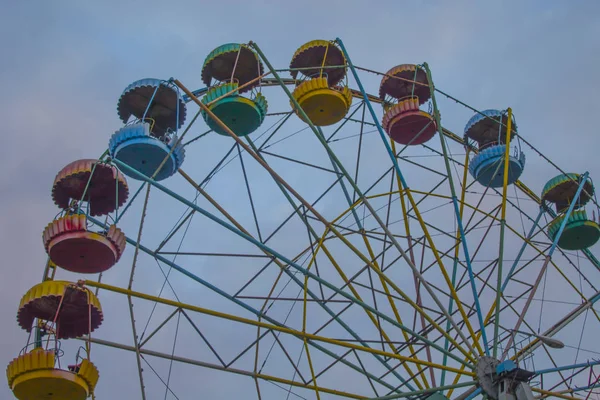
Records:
x=65, y=63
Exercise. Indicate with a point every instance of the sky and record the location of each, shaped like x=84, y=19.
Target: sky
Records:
x=65, y=63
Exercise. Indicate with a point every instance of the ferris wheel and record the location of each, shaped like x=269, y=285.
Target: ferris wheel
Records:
x=315, y=236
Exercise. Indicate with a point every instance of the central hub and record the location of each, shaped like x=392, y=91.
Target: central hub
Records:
x=485, y=372
x=503, y=380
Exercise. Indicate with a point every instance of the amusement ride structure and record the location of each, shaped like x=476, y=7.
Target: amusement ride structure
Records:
x=317, y=242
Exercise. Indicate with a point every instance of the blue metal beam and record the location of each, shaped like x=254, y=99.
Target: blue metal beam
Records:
x=566, y=367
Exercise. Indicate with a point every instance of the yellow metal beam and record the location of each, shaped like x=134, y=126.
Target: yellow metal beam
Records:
x=273, y=327
x=502, y=227
x=555, y=394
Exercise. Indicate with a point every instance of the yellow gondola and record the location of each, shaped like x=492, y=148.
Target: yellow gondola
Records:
x=320, y=95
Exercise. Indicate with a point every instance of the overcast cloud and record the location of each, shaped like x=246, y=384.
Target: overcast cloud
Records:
x=65, y=63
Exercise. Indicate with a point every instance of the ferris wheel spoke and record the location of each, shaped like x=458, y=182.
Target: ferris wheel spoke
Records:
x=455, y=247
x=543, y=231
x=385, y=242
x=592, y=380
x=410, y=249
x=397, y=314
x=312, y=234
x=508, y=303
x=341, y=359
x=499, y=284
x=556, y=268
x=191, y=211
x=472, y=312
x=559, y=395
x=374, y=300
x=580, y=274
x=581, y=367
x=313, y=240
x=373, y=318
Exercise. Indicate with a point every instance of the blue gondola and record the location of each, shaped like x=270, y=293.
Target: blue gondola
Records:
x=489, y=133
x=134, y=146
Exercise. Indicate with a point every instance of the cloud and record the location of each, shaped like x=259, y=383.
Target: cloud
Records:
x=64, y=67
